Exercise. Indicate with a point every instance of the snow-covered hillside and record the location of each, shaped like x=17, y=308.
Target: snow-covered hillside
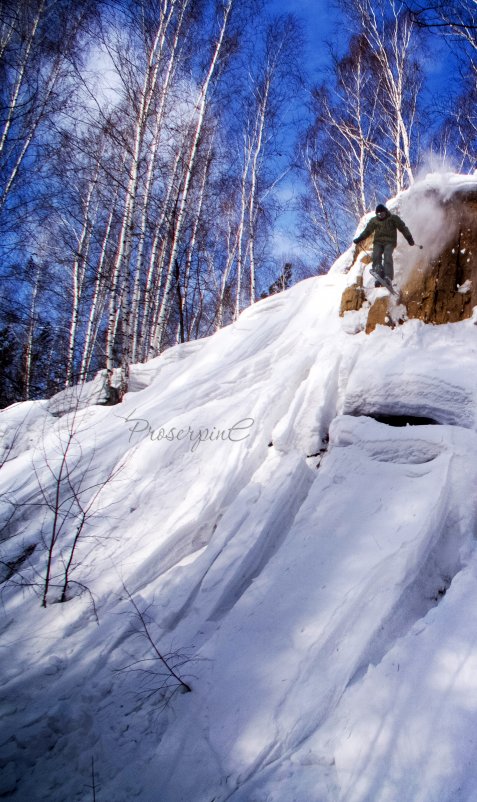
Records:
x=307, y=567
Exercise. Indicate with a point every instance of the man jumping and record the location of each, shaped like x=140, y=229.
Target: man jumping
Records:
x=385, y=226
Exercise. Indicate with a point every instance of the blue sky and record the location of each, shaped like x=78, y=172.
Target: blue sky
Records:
x=319, y=18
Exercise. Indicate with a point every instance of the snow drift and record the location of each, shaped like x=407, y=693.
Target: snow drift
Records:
x=309, y=570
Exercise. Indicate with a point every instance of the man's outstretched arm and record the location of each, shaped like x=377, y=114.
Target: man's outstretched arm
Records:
x=401, y=225
x=366, y=232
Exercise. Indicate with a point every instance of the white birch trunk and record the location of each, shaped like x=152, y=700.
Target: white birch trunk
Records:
x=164, y=93
x=20, y=77
x=27, y=359
x=96, y=309
x=252, y=208
x=198, y=212
x=392, y=58
x=121, y=264
x=153, y=295
x=231, y=251
x=156, y=268
x=201, y=109
x=136, y=299
x=6, y=34
x=244, y=201
x=78, y=271
x=40, y=111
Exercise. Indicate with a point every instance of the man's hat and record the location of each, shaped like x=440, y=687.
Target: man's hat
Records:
x=380, y=208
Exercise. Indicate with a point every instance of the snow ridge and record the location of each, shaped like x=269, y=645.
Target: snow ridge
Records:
x=314, y=568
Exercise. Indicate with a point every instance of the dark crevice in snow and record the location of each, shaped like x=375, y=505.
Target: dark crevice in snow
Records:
x=403, y=420
x=325, y=442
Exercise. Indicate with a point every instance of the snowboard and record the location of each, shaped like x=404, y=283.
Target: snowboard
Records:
x=383, y=281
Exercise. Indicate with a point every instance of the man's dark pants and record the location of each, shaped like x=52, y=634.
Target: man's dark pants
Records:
x=383, y=257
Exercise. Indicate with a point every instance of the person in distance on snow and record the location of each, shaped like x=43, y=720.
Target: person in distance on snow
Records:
x=384, y=226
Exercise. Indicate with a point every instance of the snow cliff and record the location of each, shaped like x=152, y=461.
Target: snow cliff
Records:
x=307, y=567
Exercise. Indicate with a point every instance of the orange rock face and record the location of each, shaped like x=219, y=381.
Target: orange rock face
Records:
x=442, y=289
x=378, y=314
x=352, y=299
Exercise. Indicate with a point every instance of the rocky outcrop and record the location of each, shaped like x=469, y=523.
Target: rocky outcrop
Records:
x=378, y=314
x=353, y=297
x=442, y=289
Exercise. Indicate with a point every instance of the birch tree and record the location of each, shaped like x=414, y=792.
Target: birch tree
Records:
x=455, y=23
x=28, y=346
x=141, y=208
x=99, y=295
x=455, y=19
x=145, y=91
x=172, y=66
x=392, y=38
x=162, y=37
x=340, y=150
x=224, y=11
x=78, y=271
x=271, y=81
x=362, y=145
x=37, y=45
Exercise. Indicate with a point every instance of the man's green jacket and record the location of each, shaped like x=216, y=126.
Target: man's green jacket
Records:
x=385, y=231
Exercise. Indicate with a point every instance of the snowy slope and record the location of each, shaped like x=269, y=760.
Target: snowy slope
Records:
x=312, y=569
